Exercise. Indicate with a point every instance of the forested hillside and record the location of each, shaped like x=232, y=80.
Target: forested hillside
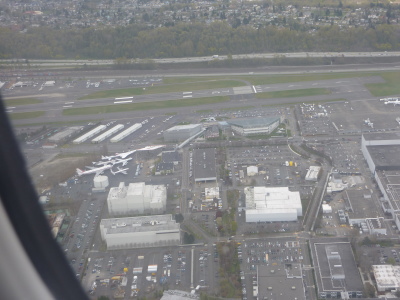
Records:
x=184, y=40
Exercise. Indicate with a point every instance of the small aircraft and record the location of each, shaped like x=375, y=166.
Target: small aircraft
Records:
x=394, y=102
x=120, y=170
x=121, y=155
x=98, y=171
x=124, y=162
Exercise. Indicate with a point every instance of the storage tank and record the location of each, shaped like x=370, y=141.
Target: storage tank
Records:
x=101, y=181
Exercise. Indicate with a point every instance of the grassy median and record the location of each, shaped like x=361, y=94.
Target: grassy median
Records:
x=144, y=106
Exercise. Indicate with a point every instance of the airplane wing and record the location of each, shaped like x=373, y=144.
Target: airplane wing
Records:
x=98, y=173
x=91, y=168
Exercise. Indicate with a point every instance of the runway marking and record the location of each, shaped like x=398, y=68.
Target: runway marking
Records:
x=69, y=102
x=188, y=96
x=11, y=107
x=254, y=89
x=185, y=93
x=9, y=111
x=120, y=102
x=66, y=106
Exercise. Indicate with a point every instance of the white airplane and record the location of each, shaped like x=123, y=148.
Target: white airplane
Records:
x=124, y=162
x=98, y=171
x=123, y=171
x=149, y=148
x=121, y=155
x=394, y=102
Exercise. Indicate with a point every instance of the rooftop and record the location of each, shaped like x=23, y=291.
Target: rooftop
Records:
x=385, y=156
x=361, y=204
x=140, y=224
x=183, y=127
x=391, y=183
x=279, y=282
x=204, y=164
x=253, y=122
x=381, y=136
x=262, y=198
x=325, y=254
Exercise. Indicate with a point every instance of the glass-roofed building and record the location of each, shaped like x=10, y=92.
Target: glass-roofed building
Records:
x=254, y=126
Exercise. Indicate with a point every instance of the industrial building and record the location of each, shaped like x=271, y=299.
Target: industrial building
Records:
x=387, y=277
x=313, y=173
x=140, y=232
x=119, y=137
x=108, y=133
x=137, y=198
x=254, y=126
x=181, y=132
x=171, y=157
x=381, y=153
x=100, y=184
x=252, y=170
x=211, y=193
x=63, y=135
x=336, y=272
x=276, y=204
x=280, y=281
x=89, y=134
x=204, y=165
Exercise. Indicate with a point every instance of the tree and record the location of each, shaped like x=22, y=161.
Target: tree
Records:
x=188, y=238
x=179, y=218
x=103, y=298
x=369, y=290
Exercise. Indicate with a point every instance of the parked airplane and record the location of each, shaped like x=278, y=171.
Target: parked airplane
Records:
x=124, y=162
x=98, y=171
x=394, y=102
x=121, y=155
x=123, y=171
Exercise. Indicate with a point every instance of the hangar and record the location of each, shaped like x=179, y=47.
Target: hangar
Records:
x=254, y=126
x=181, y=132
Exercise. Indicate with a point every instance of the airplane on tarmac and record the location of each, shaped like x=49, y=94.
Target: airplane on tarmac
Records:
x=98, y=171
x=121, y=155
x=120, y=170
x=394, y=102
x=124, y=162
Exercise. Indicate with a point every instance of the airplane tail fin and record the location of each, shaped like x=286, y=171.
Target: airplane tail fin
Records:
x=79, y=171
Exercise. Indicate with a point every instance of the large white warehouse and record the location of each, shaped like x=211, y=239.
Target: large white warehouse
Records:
x=140, y=232
x=125, y=133
x=275, y=204
x=89, y=134
x=108, y=133
x=137, y=198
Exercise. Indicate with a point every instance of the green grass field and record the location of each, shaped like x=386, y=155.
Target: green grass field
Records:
x=311, y=102
x=144, y=106
x=390, y=87
x=26, y=115
x=271, y=79
x=293, y=93
x=169, y=88
x=22, y=101
x=238, y=108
